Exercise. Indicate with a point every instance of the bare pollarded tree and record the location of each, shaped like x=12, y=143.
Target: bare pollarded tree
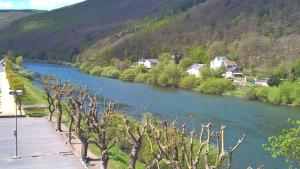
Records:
x=57, y=88
x=105, y=125
x=136, y=134
x=83, y=121
x=47, y=83
x=180, y=150
x=71, y=107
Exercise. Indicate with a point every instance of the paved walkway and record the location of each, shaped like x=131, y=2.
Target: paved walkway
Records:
x=40, y=147
x=7, y=101
x=76, y=146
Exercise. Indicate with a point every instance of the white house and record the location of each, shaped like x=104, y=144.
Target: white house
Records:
x=148, y=63
x=195, y=69
x=222, y=61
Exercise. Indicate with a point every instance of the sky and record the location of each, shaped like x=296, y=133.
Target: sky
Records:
x=36, y=4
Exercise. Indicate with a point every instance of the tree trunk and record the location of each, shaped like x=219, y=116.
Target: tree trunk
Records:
x=104, y=159
x=50, y=104
x=84, y=148
x=70, y=130
x=134, y=154
x=50, y=117
x=59, y=116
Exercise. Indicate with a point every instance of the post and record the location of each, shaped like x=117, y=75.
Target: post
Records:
x=16, y=125
x=16, y=93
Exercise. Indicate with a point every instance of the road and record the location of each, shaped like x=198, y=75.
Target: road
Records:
x=40, y=147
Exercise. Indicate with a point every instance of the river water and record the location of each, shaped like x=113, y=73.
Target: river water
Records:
x=257, y=120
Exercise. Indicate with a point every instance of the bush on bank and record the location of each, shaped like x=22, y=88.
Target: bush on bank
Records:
x=14, y=81
x=215, y=86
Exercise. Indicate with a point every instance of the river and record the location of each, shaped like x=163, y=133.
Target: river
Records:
x=257, y=120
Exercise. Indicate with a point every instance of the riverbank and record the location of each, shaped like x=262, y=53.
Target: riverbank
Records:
x=286, y=94
x=191, y=108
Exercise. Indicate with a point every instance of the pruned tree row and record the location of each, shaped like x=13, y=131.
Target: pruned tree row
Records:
x=157, y=144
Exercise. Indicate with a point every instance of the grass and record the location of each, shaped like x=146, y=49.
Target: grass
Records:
x=33, y=96
x=36, y=112
x=118, y=158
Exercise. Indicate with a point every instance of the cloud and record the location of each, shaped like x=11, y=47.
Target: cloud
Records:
x=51, y=4
x=12, y=5
x=6, y=5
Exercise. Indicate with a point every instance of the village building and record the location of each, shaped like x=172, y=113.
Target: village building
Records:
x=194, y=70
x=148, y=63
x=222, y=61
x=233, y=72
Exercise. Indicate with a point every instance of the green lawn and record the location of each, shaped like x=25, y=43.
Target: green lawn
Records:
x=33, y=96
x=118, y=158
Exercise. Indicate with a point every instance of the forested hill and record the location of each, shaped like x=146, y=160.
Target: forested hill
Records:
x=9, y=16
x=254, y=33
x=63, y=33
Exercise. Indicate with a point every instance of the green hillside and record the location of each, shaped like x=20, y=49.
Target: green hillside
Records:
x=9, y=16
x=63, y=33
x=256, y=33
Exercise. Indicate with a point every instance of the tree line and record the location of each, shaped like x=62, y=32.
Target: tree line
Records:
x=154, y=142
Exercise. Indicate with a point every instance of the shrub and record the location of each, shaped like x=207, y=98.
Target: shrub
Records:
x=274, y=96
x=277, y=74
x=129, y=75
x=110, y=72
x=216, y=86
x=85, y=67
x=287, y=90
x=189, y=82
x=19, y=60
x=96, y=70
x=296, y=70
x=142, y=77
x=207, y=73
x=251, y=93
x=262, y=93
x=26, y=74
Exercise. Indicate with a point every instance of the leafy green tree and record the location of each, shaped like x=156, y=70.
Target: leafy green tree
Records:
x=19, y=60
x=185, y=63
x=277, y=74
x=171, y=75
x=198, y=54
x=155, y=73
x=165, y=58
x=217, y=48
x=296, y=70
x=286, y=145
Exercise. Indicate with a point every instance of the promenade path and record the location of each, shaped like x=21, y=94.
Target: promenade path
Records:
x=7, y=101
x=39, y=145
